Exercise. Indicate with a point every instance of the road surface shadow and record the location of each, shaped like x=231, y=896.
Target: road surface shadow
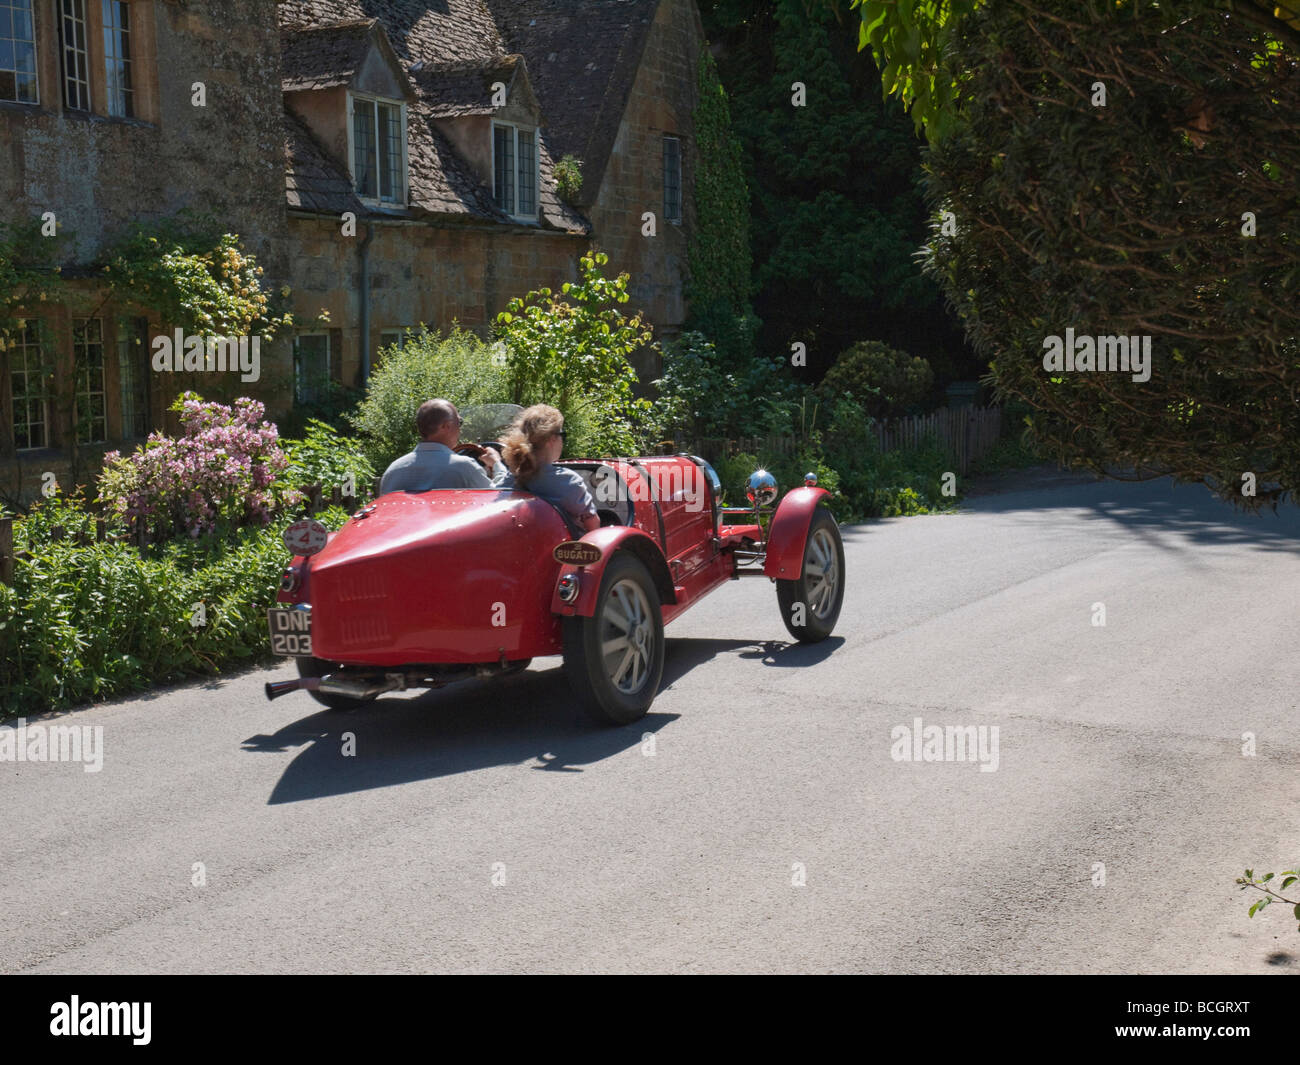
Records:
x=1171, y=516
x=479, y=724
x=458, y=729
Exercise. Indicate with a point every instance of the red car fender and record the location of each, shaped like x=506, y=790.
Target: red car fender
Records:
x=612, y=539
x=787, y=535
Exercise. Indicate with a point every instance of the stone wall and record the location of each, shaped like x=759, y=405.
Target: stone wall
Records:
x=661, y=102
x=418, y=274
x=98, y=174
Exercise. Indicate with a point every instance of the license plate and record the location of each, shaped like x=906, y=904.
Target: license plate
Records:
x=290, y=632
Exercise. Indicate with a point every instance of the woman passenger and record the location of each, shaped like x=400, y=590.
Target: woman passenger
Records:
x=531, y=447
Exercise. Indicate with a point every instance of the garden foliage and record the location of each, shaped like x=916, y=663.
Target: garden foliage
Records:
x=223, y=472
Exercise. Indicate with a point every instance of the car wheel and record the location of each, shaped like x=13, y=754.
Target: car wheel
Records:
x=615, y=658
x=317, y=667
x=811, y=605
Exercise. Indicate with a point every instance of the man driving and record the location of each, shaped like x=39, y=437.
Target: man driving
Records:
x=433, y=464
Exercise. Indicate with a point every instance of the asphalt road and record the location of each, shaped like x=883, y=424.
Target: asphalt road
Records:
x=487, y=827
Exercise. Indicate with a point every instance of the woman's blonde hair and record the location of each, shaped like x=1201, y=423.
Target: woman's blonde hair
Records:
x=529, y=431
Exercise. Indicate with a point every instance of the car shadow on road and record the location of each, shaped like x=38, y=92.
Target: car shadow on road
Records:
x=474, y=725
x=458, y=729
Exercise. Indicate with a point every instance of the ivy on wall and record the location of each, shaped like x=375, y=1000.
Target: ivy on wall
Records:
x=183, y=269
x=719, y=255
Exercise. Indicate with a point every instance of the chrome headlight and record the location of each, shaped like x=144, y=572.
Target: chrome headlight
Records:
x=761, y=490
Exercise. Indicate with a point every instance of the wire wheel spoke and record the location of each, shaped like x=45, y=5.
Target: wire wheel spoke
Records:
x=822, y=564
x=628, y=636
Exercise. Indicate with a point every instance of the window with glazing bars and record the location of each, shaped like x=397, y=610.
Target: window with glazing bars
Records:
x=311, y=368
x=377, y=137
x=133, y=375
x=672, y=179
x=117, y=58
x=76, y=64
x=17, y=52
x=503, y=167
x=88, y=358
x=27, y=389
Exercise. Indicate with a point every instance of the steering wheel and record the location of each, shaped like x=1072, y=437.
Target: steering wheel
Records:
x=477, y=451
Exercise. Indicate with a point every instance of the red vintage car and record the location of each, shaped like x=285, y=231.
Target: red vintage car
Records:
x=422, y=589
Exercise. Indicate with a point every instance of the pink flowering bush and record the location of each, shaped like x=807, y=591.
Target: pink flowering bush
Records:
x=223, y=473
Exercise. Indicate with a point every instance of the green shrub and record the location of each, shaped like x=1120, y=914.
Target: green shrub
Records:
x=883, y=380
x=94, y=621
x=568, y=178
x=326, y=458
x=573, y=350
x=457, y=366
x=702, y=394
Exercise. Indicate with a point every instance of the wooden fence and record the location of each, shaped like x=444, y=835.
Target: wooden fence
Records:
x=966, y=433
x=94, y=527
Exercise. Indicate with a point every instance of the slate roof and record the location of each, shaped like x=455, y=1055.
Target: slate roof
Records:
x=323, y=57
x=580, y=57
x=312, y=180
x=453, y=90
x=583, y=56
x=435, y=31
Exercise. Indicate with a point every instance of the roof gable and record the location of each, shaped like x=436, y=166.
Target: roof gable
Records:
x=355, y=53
x=457, y=90
x=435, y=31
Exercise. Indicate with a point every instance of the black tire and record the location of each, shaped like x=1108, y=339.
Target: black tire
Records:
x=820, y=604
x=614, y=688
x=317, y=667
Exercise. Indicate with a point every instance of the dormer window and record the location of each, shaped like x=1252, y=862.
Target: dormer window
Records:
x=377, y=131
x=514, y=170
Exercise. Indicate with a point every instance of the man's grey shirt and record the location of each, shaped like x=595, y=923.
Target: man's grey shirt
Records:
x=562, y=487
x=433, y=465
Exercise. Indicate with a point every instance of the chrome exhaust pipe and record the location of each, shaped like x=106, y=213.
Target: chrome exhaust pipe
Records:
x=283, y=687
x=360, y=689
x=336, y=685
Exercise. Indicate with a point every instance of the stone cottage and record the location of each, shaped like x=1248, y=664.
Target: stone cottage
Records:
x=392, y=162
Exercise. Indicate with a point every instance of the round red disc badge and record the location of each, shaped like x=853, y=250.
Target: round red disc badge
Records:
x=305, y=537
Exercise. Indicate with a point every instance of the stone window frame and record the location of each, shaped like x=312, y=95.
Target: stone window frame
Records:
x=48, y=18
x=671, y=216
x=403, y=168
x=517, y=129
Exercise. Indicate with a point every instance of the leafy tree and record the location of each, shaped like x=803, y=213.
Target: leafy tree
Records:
x=836, y=209
x=1169, y=213
x=572, y=349
x=882, y=380
x=909, y=38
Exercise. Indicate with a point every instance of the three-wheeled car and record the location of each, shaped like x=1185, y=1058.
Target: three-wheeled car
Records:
x=422, y=589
